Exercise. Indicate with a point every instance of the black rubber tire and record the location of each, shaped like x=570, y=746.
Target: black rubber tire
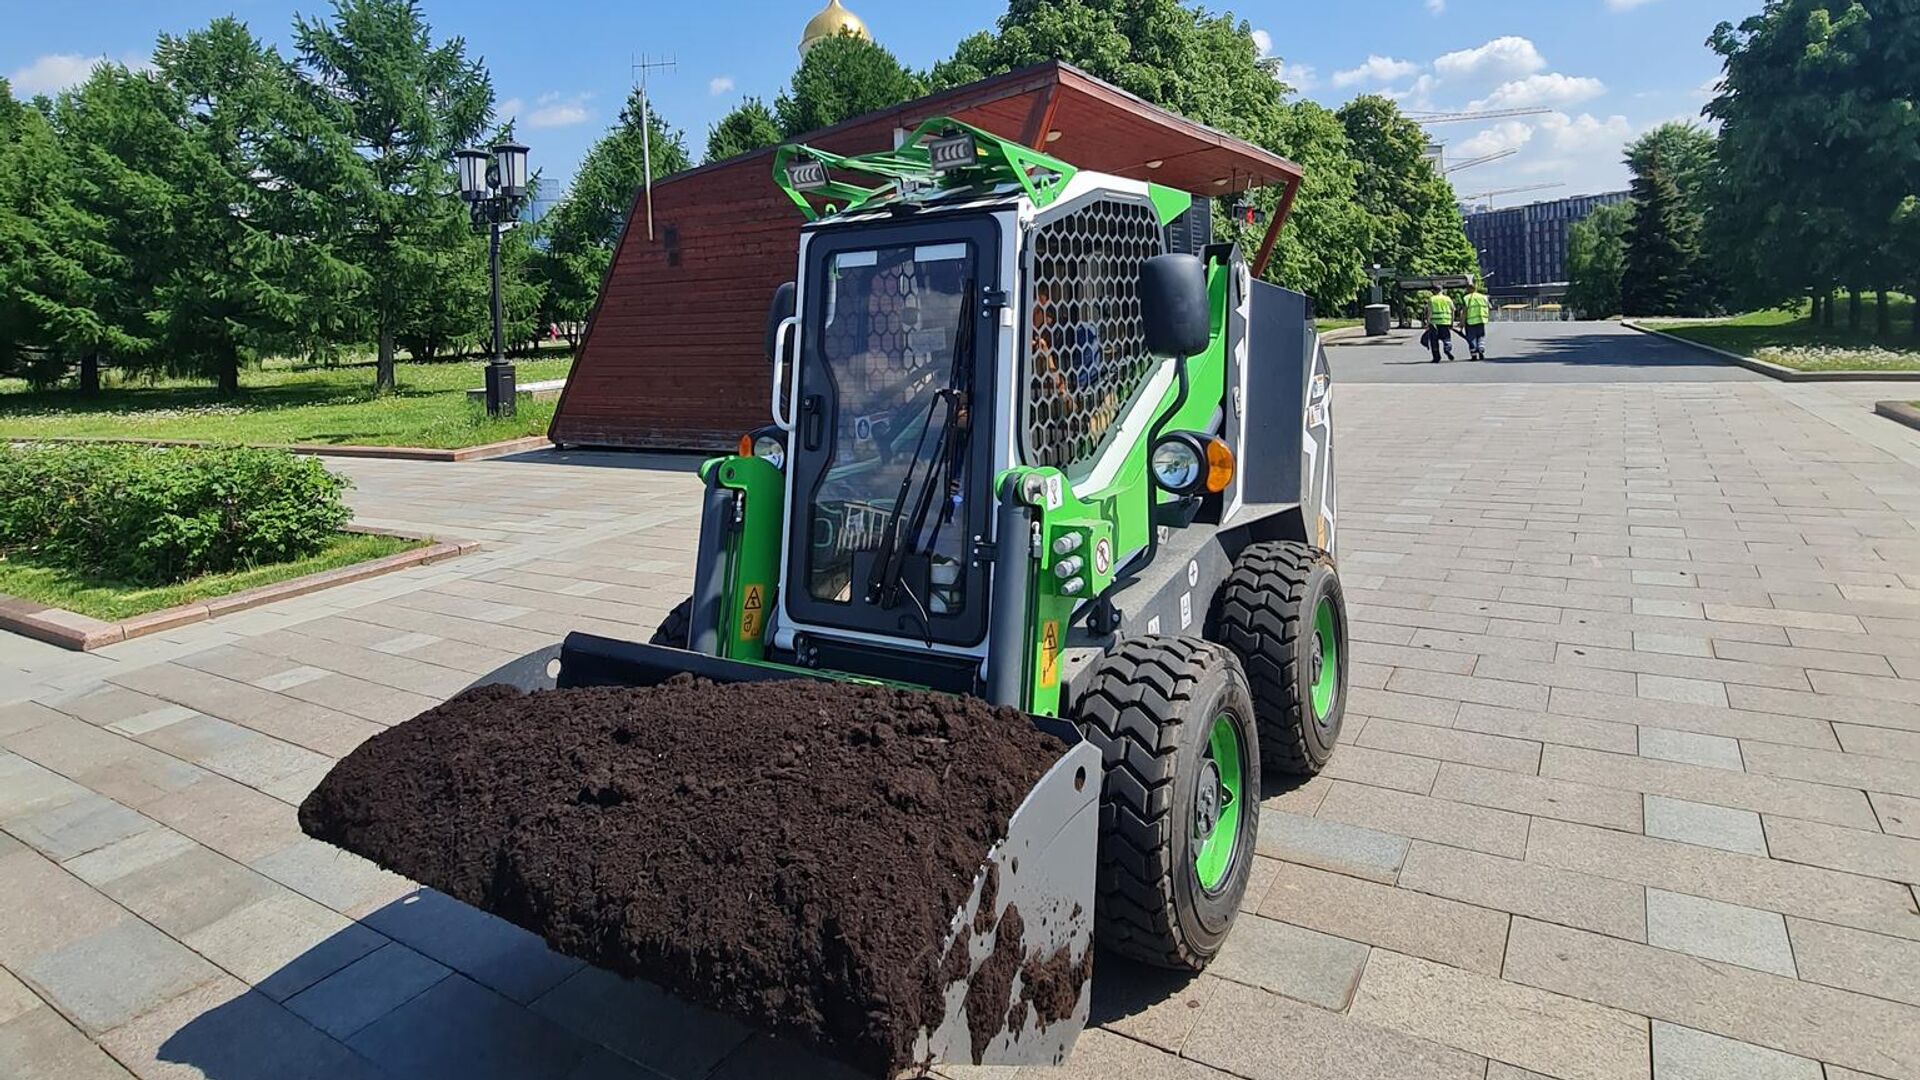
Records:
x=677, y=628
x=1264, y=613
x=1149, y=707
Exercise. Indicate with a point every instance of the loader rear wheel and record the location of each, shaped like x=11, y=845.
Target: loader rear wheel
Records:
x=1283, y=614
x=677, y=628
x=1174, y=721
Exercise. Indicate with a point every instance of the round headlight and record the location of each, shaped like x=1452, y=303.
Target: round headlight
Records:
x=771, y=449
x=1177, y=465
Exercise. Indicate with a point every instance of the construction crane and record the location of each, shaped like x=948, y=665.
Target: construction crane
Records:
x=1495, y=156
x=1425, y=118
x=1478, y=195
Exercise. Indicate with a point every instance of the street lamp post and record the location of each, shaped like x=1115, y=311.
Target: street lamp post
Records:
x=494, y=186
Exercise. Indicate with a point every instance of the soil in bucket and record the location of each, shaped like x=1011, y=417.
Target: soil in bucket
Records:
x=788, y=852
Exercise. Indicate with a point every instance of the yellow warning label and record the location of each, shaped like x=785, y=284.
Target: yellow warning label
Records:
x=1050, y=653
x=753, y=613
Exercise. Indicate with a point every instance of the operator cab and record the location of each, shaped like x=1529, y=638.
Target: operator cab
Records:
x=898, y=345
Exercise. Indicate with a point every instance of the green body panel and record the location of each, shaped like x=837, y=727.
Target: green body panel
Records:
x=1170, y=202
x=1116, y=515
x=1039, y=176
x=752, y=563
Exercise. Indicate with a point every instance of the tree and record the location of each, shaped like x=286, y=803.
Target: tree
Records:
x=1687, y=152
x=750, y=126
x=842, y=77
x=1596, y=259
x=1205, y=67
x=1662, y=248
x=249, y=266
x=582, y=231
x=1685, y=149
x=1417, y=226
x=405, y=104
x=1819, y=146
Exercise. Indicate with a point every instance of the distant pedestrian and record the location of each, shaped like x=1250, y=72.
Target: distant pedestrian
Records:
x=1479, y=309
x=1440, y=324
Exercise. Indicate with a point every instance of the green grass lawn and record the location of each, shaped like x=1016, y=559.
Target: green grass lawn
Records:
x=282, y=402
x=103, y=599
x=1324, y=325
x=1790, y=339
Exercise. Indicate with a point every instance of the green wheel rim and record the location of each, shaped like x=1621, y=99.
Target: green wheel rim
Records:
x=1214, y=848
x=1326, y=651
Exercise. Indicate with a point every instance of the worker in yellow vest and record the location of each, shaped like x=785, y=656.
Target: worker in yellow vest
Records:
x=1479, y=311
x=1440, y=324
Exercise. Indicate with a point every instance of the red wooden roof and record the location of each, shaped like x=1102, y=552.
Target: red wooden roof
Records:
x=672, y=354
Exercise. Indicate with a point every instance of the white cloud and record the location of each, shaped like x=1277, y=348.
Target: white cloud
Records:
x=55, y=72
x=1263, y=43
x=1550, y=89
x=1500, y=59
x=1437, y=7
x=550, y=110
x=1301, y=77
x=1376, y=69
x=1506, y=135
x=1625, y=5
x=719, y=84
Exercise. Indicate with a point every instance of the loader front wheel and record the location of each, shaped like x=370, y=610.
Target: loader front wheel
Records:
x=1283, y=614
x=1174, y=721
x=677, y=628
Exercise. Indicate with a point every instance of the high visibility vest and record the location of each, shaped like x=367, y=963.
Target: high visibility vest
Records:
x=1440, y=310
x=1478, y=306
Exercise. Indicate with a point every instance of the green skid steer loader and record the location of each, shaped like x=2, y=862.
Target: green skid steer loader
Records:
x=1034, y=440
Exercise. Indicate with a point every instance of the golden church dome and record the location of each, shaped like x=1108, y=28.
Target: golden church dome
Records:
x=833, y=19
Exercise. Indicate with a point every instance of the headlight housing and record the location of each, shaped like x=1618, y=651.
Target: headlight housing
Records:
x=769, y=444
x=1186, y=464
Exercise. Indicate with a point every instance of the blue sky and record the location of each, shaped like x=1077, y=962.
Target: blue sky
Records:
x=1608, y=69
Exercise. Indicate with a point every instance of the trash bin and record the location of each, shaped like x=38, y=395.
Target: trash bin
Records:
x=1376, y=319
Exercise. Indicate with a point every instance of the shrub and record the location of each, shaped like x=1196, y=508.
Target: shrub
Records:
x=158, y=515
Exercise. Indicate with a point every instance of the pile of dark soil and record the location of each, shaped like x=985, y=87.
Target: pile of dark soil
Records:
x=788, y=852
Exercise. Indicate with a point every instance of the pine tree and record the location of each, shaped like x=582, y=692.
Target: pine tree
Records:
x=750, y=126
x=842, y=77
x=406, y=104
x=1663, y=248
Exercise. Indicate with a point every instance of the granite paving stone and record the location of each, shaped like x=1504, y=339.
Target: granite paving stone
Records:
x=1330, y=845
x=1681, y=1053
x=1570, y=1038
x=1286, y=959
x=1719, y=931
x=1705, y=824
x=1856, y=960
x=1394, y=918
x=1731, y=877
x=1496, y=832
x=1784, y=1014
x=1262, y=1036
x=366, y=989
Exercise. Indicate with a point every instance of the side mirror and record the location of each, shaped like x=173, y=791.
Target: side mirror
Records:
x=1173, y=305
x=780, y=311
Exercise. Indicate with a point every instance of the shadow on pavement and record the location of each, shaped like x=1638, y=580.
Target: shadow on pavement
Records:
x=652, y=460
x=445, y=990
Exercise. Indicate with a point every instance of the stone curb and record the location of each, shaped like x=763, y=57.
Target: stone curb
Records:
x=82, y=633
x=1784, y=374
x=1899, y=412
x=398, y=453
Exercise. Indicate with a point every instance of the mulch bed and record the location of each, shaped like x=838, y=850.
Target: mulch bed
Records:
x=788, y=852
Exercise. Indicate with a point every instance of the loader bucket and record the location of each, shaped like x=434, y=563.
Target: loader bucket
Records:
x=1013, y=966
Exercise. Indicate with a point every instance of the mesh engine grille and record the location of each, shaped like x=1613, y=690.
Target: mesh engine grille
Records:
x=1087, y=356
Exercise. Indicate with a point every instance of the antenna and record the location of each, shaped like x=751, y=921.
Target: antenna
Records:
x=643, y=65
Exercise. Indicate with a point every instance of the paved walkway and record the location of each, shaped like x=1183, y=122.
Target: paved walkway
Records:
x=1601, y=352
x=1630, y=786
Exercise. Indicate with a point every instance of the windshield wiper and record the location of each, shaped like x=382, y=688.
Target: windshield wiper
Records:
x=889, y=567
